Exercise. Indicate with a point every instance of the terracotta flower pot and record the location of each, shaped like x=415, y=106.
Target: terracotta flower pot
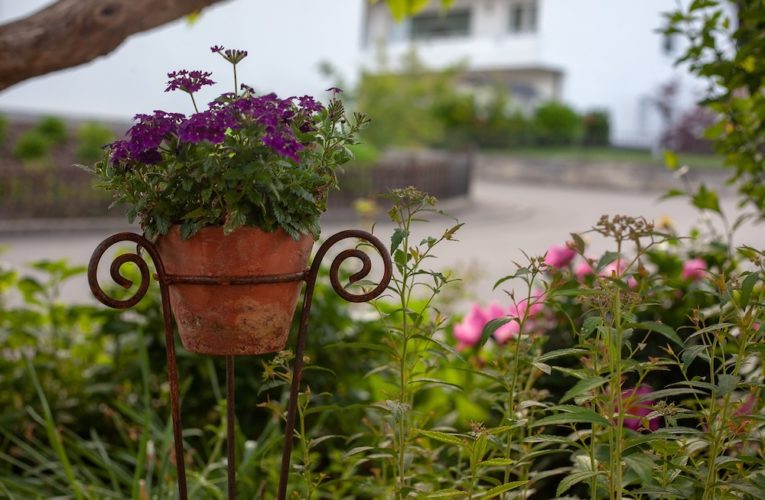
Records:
x=233, y=319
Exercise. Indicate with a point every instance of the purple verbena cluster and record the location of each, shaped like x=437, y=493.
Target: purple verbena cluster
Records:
x=188, y=81
x=276, y=118
x=210, y=126
x=275, y=122
x=145, y=137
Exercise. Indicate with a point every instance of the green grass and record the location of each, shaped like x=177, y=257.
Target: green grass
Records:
x=611, y=155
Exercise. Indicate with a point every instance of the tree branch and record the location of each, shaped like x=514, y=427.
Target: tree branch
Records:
x=72, y=32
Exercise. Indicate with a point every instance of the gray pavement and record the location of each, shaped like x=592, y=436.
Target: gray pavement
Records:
x=501, y=218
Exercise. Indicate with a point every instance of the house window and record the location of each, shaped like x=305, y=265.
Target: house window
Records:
x=523, y=16
x=428, y=25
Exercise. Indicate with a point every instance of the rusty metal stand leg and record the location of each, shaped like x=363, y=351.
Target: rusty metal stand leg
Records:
x=297, y=373
x=230, y=428
x=175, y=399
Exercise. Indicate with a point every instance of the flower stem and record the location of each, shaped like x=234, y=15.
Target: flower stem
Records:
x=194, y=102
x=236, y=84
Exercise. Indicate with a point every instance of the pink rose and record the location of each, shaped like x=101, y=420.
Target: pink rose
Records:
x=559, y=256
x=583, y=269
x=508, y=330
x=636, y=411
x=468, y=332
x=614, y=270
x=694, y=269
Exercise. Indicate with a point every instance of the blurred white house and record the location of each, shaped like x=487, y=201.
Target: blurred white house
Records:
x=590, y=54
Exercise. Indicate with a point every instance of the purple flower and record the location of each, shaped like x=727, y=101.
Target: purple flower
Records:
x=216, y=49
x=309, y=104
x=145, y=137
x=210, y=126
x=188, y=81
x=335, y=90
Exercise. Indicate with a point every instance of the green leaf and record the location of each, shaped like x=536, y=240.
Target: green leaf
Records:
x=706, y=199
x=572, y=479
x=450, y=493
x=746, y=288
x=559, y=353
x=660, y=328
x=579, y=415
x=726, y=383
x=496, y=462
x=579, y=244
x=435, y=381
x=397, y=237
x=584, y=385
x=443, y=437
x=670, y=160
x=494, y=492
x=491, y=327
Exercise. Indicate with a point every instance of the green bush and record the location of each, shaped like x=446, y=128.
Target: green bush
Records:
x=91, y=138
x=403, y=103
x=33, y=146
x=556, y=124
x=364, y=153
x=597, y=128
x=53, y=128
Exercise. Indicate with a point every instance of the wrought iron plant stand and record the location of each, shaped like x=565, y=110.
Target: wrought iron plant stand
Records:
x=166, y=280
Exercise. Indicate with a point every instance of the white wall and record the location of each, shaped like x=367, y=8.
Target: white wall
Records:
x=286, y=40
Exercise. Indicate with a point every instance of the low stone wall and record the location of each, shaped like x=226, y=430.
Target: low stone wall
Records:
x=442, y=174
x=604, y=175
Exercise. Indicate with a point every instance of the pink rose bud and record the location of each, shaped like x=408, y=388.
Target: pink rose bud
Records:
x=468, y=332
x=583, y=269
x=559, y=256
x=694, y=269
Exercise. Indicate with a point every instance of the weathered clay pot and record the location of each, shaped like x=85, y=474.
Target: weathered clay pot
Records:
x=232, y=319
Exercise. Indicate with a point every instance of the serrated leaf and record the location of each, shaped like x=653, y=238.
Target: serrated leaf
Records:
x=397, y=237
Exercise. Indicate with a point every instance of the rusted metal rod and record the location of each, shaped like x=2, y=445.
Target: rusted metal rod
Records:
x=230, y=428
x=165, y=281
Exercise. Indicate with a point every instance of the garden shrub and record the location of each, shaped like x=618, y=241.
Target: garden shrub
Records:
x=53, y=128
x=556, y=124
x=634, y=372
x=91, y=137
x=597, y=128
x=33, y=146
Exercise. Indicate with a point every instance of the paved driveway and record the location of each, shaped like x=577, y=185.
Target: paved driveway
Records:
x=501, y=219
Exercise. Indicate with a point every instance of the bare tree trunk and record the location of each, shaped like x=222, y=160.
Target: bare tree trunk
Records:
x=73, y=32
